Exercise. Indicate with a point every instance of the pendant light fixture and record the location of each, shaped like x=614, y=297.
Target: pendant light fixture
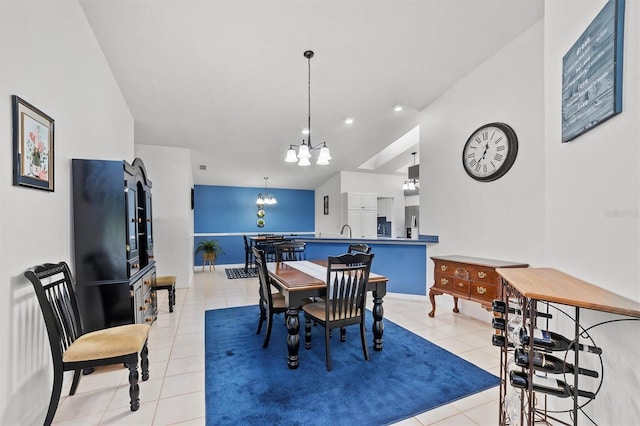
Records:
x=304, y=150
x=265, y=198
x=412, y=183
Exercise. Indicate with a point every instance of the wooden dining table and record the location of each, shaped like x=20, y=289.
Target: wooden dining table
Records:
x=300, y=280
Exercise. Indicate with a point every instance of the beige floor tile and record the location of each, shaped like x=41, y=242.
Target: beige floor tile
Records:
x=125, y=417
x=437, y=414
x=180, y=409
x=182, y=384
x=185, y=365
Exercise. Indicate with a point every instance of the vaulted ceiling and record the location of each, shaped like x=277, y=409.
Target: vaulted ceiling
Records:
x=227, y=78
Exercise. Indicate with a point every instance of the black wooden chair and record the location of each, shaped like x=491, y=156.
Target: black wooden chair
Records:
x=359, y=248
x=345, y=301
x=290, y=251
x=270, y=303
x=71, y=348
x=248, y=254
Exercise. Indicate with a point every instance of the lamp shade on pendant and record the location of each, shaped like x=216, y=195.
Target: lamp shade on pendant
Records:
x=291, y=156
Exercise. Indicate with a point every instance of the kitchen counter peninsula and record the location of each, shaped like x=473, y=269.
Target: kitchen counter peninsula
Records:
x=402, y=260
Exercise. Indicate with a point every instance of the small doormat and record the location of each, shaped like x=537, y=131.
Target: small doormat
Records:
x=233, y=273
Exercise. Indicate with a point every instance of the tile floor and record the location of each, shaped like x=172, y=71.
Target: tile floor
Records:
x=174, y=394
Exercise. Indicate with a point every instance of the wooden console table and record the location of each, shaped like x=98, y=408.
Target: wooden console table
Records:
x=468, y=278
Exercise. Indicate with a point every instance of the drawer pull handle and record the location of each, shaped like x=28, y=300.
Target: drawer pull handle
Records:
x=481, y=290
x=141, y=308
x=482, y=274
x=460, y=285
x=444, y=281
x=148, y=319
x=443, y=268
x=147, y=282
x=147, y=300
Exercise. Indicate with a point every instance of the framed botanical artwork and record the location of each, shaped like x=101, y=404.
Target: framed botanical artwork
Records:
x=326, y=204
x=33, y=132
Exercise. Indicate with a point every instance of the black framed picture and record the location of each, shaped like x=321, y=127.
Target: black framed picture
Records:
x=326, y=204
x=33, y=132
x=193, y=198
x=592, y=73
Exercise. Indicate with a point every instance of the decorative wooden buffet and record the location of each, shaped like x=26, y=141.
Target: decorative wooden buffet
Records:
x=533, y=289
x=113, y=243
x=468, y=278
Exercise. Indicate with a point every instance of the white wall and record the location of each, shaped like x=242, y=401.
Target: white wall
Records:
x=51, y=59
x=328, y=225
x=592, y=199
x=503, y=219
x=170, y=172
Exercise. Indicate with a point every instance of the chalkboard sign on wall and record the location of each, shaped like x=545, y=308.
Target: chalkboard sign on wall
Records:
x=592, y=73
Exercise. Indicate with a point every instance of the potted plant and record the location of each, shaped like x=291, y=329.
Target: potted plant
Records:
x=209, y=247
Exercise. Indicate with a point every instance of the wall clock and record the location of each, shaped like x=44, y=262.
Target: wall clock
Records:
x=490, y=152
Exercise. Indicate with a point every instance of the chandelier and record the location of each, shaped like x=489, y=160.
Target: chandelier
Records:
x=412, y=184
x=265, y=198
x=304, y=150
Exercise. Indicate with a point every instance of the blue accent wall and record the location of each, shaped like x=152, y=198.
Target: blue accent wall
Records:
x=403, y=265
x=232, y=210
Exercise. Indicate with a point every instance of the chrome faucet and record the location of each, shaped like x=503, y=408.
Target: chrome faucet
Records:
x=342, y=230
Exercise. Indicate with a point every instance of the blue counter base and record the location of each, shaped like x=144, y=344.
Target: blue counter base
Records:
x=402, y=261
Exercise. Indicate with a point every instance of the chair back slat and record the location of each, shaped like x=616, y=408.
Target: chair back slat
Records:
x=290, y=251
x=55, y=290
x=347, y=278
x=263, y=276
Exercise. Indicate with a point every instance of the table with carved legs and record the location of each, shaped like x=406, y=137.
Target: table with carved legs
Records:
x=298, y=281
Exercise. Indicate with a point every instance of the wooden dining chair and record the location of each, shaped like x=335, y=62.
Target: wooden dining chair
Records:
x=248, y=253
x=290, y=251
x=359, y=248
x=270, y=303
x=345, y=300
x=71, y=348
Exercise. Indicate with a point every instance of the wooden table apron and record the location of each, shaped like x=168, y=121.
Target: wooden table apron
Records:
x=296, y=286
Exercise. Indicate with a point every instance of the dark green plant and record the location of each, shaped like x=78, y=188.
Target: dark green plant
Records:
x=209, y=246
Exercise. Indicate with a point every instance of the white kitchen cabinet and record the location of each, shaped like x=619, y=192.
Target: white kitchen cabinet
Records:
x=360, y=212
x=385, y=208
x=363, y=223
x=362, y=200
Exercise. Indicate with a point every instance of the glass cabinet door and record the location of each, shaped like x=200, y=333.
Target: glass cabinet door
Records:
x=132, y=222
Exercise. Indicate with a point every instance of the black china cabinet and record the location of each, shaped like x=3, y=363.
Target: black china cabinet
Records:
x=113, y=243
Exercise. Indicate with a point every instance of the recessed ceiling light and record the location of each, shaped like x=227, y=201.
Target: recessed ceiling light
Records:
x=397, y=108
x=348, y=120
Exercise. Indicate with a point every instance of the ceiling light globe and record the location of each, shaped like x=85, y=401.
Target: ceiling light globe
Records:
x=324, y=155
x=303, y=153
x=291, y=156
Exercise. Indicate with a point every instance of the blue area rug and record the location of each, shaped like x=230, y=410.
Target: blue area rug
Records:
x=248, y=385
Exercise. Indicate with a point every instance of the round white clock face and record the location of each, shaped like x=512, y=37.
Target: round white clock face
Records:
x=490, y=152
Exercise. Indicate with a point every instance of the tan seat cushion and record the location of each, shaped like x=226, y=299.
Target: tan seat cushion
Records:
x=278, y=301
x=167, y=280
x=108, y=343
x=317, y=310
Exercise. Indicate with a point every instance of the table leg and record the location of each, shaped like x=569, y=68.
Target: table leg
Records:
x=293, y=337
x=378, y=325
